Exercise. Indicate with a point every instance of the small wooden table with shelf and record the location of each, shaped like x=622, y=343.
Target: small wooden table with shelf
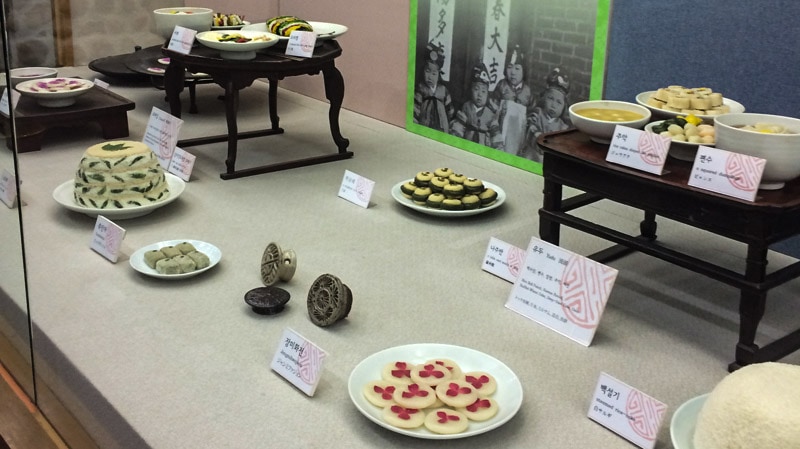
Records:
x=571, y=159
x=235, y=75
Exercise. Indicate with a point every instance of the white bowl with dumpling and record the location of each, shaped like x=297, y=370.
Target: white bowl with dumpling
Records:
x=775, y=138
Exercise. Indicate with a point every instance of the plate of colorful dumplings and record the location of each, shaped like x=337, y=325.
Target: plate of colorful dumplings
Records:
x=446, y=193
x=175, y=259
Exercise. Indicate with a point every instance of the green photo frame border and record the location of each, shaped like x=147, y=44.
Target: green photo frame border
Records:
x=596, y=90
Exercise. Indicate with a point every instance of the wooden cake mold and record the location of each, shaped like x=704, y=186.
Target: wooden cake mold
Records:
x=267, y=300
x=277, y=264
x=329, y=300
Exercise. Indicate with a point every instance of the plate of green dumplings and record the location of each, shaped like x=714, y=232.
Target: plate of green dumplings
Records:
x=175, y=259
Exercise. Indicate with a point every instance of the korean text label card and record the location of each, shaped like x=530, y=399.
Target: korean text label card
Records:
x=562, y=290
x=161, y=135
x=732, y=174
x=181, y=40
x=107, y=238
x=356, y=189
x=503, y=260
x=638, y=149
x=299, y=361
x=627, y=411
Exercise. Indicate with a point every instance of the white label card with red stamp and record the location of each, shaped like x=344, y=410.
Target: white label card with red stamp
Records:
x=181, y=40
x=627, y=411
x=638, y=149
x=107, y=238
x=562, y=290
x=731, y=174
x=356, y=189
x=299, y=361
x=161, y=135
x=301, y=43
x=503, y=259
x=181, y=164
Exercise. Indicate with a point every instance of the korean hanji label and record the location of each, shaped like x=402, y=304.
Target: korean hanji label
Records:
x=503, y=260
x=356, y=189
x=562, y=290
x=299, y=361
x=7, y=104
x=181, y=40
x=638, y=149
x=181, y=164
x=161, y=135
x=627, y=411
x=107, y=238
x=301, y=43
x=8, y=189
x=101, y=83
x=732, y=174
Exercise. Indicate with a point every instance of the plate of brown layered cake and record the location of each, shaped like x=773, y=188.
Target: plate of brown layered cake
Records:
x=175, y=259
x=64, y=195
x=435, y=391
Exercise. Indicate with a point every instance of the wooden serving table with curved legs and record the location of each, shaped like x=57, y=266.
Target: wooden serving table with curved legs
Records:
x=571, y=159
x=235, y=75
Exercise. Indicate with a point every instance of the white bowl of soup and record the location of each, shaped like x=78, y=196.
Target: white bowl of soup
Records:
x=775, y=138
x=194, y=18
x=599, y=118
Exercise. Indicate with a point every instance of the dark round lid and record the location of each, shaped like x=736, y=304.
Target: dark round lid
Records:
x=267, y=300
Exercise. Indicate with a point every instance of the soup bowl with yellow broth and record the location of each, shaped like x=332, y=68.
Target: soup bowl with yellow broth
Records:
x=599, y=118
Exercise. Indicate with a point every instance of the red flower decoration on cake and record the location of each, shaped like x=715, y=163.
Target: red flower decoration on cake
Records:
x=444, y=417
x=430, y=370
x=402, y=412
x=480, y=403
x=413, y=390
x=402, y=370
x=386, y=393
x=477, y=382
x=454, y=390
x=441, y=363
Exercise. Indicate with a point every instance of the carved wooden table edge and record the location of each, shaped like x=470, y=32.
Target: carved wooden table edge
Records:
x=774, y=216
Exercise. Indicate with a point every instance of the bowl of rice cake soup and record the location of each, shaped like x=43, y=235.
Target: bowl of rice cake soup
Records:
x=775, y=138
x=194, y=18
x=599, y=118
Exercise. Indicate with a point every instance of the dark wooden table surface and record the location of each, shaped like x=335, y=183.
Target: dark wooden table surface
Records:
x=571, y=159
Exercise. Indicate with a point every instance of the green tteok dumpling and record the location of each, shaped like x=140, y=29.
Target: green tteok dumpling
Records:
x=200, y=259
x=185, y=263
x=185, y=247
x=168, y=266
x=153, y=256
x=171, y=251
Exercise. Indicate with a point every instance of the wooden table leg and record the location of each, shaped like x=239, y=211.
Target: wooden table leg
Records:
x=273, y=103
x=752, y=304
x=174, y=82
x=549, y=230
x=231, y=106
x=334, y=92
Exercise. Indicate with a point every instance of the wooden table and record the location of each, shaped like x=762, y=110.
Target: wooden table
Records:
x=234, y=75
x=571, y=159
x=98, y=105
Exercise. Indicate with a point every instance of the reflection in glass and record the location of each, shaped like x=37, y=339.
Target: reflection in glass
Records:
x=15, y=337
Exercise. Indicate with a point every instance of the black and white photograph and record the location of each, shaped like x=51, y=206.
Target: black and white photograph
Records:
x=498, y=73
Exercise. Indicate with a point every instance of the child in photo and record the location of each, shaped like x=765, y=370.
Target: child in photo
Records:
x=549, y=114
x=433, y=106
x=513, y=98
x=476, y=121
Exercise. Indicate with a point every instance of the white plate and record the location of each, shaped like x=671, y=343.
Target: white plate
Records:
x=683, y=151
x=63, y=194
x=37, y=89
x=237, y=50
x=138, y=263
x=231, y=27
x=397, y=194
x=681, y=428
x=324, y=30
x=662, y=114
x=508, y=394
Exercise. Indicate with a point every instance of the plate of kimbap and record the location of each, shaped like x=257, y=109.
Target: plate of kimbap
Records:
x=175, y=259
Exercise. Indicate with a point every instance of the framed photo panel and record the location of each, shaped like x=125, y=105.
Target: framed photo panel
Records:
x=489, y=76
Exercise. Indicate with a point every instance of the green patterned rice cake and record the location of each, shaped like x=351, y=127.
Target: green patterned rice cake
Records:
x=119, y=174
